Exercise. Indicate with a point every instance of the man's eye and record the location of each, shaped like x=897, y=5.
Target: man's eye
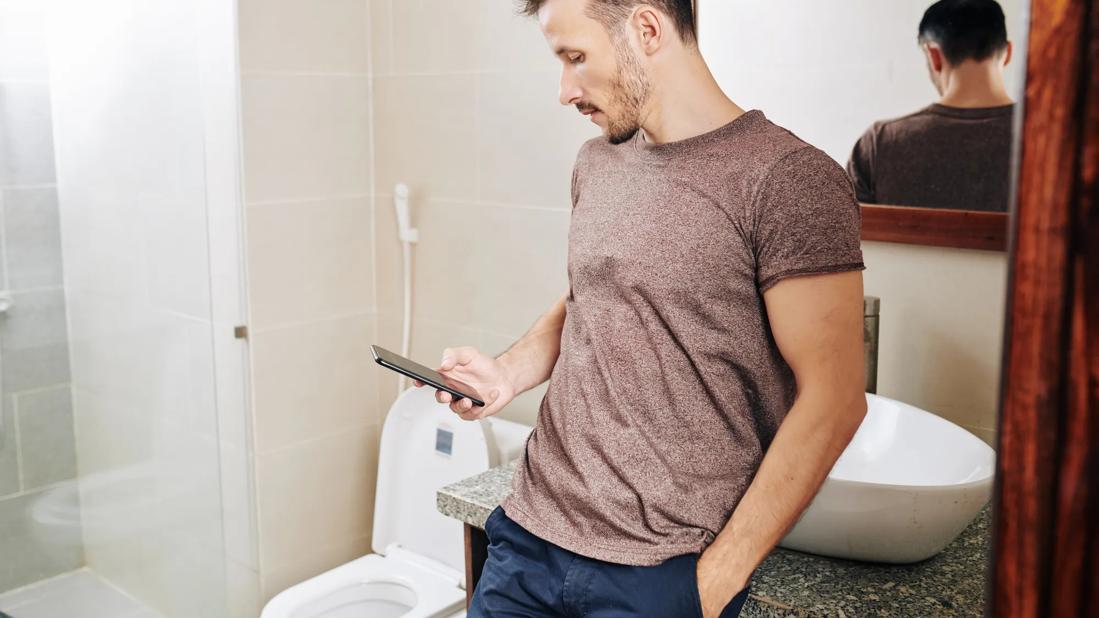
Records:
x=576, y=58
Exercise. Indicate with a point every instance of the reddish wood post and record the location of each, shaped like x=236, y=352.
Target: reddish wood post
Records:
x=476, y=542
x=1046, y=552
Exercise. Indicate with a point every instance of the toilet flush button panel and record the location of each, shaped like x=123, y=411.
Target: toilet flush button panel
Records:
x=444, y=440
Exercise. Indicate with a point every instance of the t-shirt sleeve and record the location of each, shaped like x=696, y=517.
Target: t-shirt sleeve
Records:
x=860, y=167
x=807, y=220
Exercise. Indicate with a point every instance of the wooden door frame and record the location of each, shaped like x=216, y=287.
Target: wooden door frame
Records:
x=1046, y=506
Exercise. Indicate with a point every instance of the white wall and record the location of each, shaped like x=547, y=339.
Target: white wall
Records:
x=826, y=69
x=144, y=108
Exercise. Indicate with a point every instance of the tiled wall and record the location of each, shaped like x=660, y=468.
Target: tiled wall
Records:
x=826, y=70
x=37, y=454
x=339, y=103
x=308, y=170
x=467, y=115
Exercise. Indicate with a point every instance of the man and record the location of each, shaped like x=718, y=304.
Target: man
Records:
x=705, y=364
x=955, y=153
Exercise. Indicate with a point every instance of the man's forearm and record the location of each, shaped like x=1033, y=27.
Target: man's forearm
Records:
x=812, y=436
x=529, y=361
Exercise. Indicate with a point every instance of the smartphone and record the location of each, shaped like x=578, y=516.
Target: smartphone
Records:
x=415, y=370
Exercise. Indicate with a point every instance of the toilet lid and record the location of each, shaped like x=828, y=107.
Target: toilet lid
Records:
x=425, y=446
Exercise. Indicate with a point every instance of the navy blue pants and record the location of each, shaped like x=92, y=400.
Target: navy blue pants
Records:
x=526, y=576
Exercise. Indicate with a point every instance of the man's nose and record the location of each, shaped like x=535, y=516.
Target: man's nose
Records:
x=568, y=92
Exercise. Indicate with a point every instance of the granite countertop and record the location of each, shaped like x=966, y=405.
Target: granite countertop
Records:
x=791, y=583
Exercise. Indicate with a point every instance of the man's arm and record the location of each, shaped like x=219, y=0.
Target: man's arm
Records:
x=526, y=364
x=530, y=360
x=817, y=323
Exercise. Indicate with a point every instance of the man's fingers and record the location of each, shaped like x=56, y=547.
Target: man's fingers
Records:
x=453, y=357
x=442, y=397
x=417, y=383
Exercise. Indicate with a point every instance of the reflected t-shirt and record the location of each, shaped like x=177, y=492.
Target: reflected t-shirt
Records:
x=939, y=157
x=669, y=386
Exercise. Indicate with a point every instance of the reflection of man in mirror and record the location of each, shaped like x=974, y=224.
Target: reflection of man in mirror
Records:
x=954, y=153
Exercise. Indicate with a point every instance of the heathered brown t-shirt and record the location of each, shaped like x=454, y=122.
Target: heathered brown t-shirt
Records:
x=669, y=387
x=938, y=157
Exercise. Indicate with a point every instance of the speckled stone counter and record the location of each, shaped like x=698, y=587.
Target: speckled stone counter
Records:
x=791, y=583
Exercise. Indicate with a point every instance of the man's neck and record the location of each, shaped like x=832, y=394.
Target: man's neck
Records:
x=975, y=85
x=688, y=103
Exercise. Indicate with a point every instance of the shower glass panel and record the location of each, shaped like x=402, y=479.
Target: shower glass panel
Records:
x=117, y=183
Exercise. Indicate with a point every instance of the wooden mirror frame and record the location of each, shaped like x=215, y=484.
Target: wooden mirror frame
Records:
x=938, y=227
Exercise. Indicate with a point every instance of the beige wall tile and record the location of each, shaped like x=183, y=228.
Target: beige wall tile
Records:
x=381, y=37
x=315, y=494
x=508, y=41
x=489, y=267
x=424, y=135
x=387, y=253
x=309, y=260
x=435, y=36
x=524, y=268
x=312, y=379
x=305, y=136
x=493, y=268
x=449, y=257
x=303, y=35
x=314, y=562
x=276, y=271
x=527, y=141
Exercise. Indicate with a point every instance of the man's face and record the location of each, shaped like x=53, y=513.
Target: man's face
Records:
x=602, y=77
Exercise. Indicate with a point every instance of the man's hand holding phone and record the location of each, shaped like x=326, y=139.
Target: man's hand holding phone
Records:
x=486, y=374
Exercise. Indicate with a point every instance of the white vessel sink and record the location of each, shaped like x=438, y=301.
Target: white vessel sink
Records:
x=904, y=488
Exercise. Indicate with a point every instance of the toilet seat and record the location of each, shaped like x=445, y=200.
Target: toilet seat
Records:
x=374, y=586
x=417, y=568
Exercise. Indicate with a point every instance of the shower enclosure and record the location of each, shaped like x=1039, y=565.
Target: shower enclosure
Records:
x=124, y=475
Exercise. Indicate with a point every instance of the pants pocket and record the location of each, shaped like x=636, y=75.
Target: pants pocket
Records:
x=490, y=521
x=733, y=607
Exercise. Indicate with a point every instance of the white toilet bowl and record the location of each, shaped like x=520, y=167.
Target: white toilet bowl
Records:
x=375, y=586
x=418, y=570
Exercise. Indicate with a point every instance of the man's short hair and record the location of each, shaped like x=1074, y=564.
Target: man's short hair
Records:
x=610, y=13
x=965, y=29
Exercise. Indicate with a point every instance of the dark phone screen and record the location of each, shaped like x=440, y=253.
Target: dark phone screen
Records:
x=429, y=376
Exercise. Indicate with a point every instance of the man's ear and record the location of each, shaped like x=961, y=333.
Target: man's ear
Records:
x=649, y=27
x=934, y=56
x=1007, y=54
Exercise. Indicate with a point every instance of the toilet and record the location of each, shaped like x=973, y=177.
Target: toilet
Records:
x=418, y=568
